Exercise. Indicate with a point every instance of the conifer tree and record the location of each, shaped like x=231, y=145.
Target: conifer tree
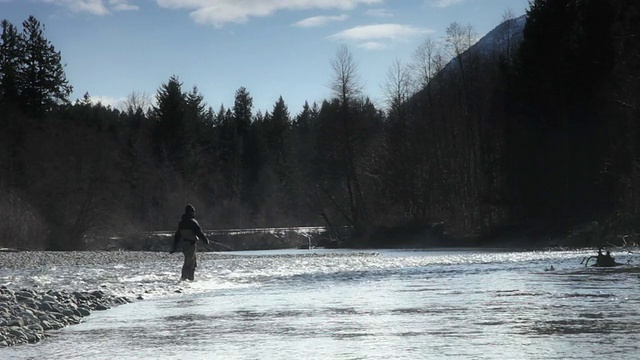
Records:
x=169, y=114
x=276, y=130
x=43, y=83
x=10, y=63
x=236, y=132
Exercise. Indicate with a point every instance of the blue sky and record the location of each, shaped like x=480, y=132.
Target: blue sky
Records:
x=113, y=48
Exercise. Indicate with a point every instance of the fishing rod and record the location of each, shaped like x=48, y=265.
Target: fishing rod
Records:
x=220, y=244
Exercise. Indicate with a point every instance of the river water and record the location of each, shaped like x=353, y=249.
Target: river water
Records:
x=322, y=304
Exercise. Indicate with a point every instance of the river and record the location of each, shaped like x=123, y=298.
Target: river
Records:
x=341, y=304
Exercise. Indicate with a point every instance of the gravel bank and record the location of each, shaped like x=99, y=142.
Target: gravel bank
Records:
x=28, y=313
x=35, y=259
x=41, y=291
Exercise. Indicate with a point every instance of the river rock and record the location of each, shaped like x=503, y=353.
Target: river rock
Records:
x=26, y=314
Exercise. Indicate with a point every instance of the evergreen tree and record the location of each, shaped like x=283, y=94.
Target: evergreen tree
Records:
x=43, y=83
x=301, y=147
x=10, y=63
x=169, y=114
x=138, y=165
x=235, y=131
x=276, y=131
x=12, y=122
x=277, y=169
x=242, y=111
x=565, y=55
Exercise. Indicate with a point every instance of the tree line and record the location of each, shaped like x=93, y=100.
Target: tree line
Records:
x=532, y=133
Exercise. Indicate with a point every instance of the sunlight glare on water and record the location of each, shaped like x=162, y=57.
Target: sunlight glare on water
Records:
x=467, y=304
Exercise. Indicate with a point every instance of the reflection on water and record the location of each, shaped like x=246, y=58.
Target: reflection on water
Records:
x=345, y=305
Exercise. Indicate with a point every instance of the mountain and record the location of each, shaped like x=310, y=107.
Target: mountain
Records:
x=503, y=40
x=499, y=39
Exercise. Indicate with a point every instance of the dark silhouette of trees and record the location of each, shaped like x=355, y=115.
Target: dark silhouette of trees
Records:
x=348, y=125
x=523, y=133
x=32, y=82
x=43, y=83
x=564, y=59
x=238, y=132
x=621, y=113
x=10, y=62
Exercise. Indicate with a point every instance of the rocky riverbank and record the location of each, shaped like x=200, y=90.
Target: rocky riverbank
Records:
x=26, y=315
x=35, y=259
x=30, y=310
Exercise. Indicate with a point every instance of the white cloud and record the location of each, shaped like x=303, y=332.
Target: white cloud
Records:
x=95, y=7
x=443, y=3
x=376, y=37
x=220, y=12
x=373, y=45
x=123, y=5
x=379, y=13
x=319, y=20
x=113, y=102
x=379, y=32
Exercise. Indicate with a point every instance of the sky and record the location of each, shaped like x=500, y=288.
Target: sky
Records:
x=273, y=48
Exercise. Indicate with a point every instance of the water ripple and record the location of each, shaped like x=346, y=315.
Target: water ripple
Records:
x=349, y=305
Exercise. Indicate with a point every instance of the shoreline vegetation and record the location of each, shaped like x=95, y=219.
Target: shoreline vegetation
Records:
x=523, y=135
x=499, y=145
x=588, y=235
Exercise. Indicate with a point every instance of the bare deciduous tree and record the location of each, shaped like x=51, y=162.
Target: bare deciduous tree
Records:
x=137, y=102
x=459, y=38
x=507, y=35
x=346, y=82
x=347, y=89
x=428, y=61
x=398, y=85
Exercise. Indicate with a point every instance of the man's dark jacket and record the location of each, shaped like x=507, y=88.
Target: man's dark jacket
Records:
x=188, y=230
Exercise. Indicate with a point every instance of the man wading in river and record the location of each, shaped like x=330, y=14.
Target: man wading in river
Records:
x=188, y=232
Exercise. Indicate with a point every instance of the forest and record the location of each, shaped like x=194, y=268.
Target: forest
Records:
x=533, y=136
